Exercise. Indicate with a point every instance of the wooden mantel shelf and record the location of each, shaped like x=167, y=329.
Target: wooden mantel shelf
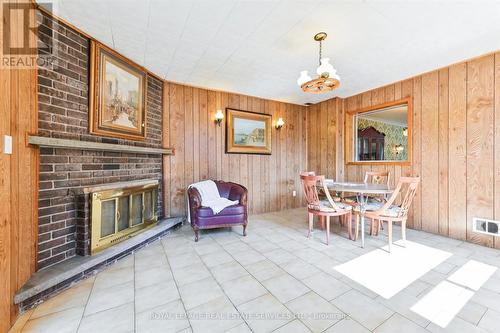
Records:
x=87, y=145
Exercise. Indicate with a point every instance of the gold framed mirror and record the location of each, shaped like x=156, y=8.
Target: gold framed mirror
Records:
x=380, y=134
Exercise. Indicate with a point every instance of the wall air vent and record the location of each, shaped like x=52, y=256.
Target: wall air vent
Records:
x=484, y=226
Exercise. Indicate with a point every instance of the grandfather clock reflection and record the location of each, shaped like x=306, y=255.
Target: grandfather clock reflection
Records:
x=370, y=144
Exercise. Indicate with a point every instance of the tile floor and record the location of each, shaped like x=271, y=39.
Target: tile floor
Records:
x=230, y=283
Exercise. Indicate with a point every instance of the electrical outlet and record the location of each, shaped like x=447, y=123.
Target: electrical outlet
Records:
x=294, y=193
x=7, y=144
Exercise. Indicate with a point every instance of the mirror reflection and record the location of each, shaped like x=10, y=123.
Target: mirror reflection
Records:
x=382, y=135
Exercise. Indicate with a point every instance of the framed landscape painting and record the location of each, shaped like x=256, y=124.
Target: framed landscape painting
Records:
x=248, y=132
x=118, y=89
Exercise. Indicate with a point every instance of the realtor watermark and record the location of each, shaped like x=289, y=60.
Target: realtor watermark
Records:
x=22, y=45
x=247, y=316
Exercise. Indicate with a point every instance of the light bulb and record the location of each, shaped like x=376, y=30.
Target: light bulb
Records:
x=219, y=115
x=325, y=68
x=303, y=78
x=280, y=123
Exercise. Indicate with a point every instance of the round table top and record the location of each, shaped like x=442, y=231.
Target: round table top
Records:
x=365, y=188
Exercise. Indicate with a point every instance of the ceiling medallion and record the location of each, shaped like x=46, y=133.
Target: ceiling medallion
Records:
x=327, y=79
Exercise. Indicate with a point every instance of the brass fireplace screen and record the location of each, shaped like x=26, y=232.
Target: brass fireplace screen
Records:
x=119, y=214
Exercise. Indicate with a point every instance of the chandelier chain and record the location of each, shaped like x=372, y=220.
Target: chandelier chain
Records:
x=320, y=51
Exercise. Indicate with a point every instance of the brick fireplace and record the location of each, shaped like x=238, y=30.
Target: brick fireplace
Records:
x=64, y=220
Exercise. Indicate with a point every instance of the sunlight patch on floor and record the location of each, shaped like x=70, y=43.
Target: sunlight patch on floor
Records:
x=442, y=303
x=388, y=273
x=473, y=274
x=445, y=300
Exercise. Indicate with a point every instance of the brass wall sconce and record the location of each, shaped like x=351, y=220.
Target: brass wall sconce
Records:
x=280, y=123
x=219, y=116
x=399, y=149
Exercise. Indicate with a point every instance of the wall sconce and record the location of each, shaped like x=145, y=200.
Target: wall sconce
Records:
x=280, y=123
x=399, y=149
x=219, y=116
x=405, y=131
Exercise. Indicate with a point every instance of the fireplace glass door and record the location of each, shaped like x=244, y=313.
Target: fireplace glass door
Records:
x=118, y=214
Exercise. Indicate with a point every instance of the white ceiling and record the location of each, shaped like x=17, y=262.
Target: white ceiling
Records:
x=258, y=47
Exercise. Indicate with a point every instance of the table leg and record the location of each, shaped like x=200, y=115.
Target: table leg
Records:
x=362, y=209
x=362, y=231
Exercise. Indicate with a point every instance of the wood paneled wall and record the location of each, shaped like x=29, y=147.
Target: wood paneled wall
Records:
x=456, y=144
x=18, y=175
x=199, y=143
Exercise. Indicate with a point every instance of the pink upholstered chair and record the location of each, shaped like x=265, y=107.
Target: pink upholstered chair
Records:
x=322, y=208
x=392, y=213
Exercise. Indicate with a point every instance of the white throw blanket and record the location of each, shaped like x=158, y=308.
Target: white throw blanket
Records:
x=210, y=197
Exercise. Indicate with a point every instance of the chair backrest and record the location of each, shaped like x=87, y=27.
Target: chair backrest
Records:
x=377, y=177
x=310, y=186
x=308, y=173
x=411, y=184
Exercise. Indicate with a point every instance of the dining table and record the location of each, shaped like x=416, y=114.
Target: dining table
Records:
x=362, y=192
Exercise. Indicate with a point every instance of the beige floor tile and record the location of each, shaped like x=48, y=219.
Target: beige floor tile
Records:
x=207, y=247
x=183, y=260
x=236, y=247
x=65, y=321
x=402, y=303
x=490, y=321
x=169, y=317
x=214, y=259
x=113, y=276
x=457, y=325
x=326, y=285
x=315, y=312
x=153, y=260
x=190, y=274
x=228, y=271
x=279, y=256
x=363, y=309
x=293, y=327
x=299, y=269
x=155, y=295
x=248, y=258
x=243, y=328
x=268, y=307
x=285, y=287
x=347, y=325
x=200, y=292
x=264, y=270
x=218, y=315
x=472, y=312
x=263, y=245
x=75, y=297
x=154, y=275
x=105, y=299
x=243, y=289
x=398, y=323
x=116, y=320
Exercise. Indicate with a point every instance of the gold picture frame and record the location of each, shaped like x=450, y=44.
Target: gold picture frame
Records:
x=117, y=95
x=248, y=132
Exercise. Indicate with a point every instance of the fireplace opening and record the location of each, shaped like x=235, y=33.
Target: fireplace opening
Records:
x=119, y=214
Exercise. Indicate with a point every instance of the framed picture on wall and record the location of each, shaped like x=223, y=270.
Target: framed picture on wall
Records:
x=248, y=132
x=117, y=95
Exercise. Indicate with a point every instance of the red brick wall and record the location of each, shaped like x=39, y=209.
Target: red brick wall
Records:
x=64, y=113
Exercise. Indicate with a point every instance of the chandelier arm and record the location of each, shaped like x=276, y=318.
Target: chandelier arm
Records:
x=320, y=51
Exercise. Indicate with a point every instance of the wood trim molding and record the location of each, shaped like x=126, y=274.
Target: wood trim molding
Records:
x=349, y=135
x=86, y=145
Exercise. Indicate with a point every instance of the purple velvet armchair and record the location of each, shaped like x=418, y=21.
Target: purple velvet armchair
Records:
x=204, y=217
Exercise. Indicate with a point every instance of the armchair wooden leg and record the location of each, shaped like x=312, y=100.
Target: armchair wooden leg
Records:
x=311, y=219
x=196, y=234
x=389, y=230
x=403, y=232
x=356, y=227
x=244, y=229
x=327, y=230
x=322, y=219
x=349, y=226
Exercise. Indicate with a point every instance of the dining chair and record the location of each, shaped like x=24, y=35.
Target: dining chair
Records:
x=323, y=208
x=371, y=177
x=392, y=213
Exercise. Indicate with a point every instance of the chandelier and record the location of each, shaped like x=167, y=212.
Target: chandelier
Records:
x=327, y=78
